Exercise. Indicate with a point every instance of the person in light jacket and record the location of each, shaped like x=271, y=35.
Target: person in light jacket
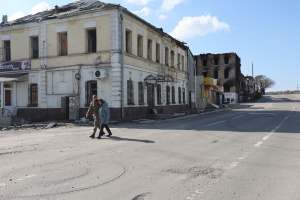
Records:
x=104, y=115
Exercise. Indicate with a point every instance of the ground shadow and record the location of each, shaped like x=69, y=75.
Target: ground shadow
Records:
x=128, y=139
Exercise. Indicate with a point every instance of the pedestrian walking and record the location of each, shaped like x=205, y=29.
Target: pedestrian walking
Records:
x=104, y=115
x=94, y=108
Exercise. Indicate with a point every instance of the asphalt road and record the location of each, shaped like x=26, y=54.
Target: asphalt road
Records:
x=251, y=152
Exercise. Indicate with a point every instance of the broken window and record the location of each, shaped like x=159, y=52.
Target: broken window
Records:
x=63, y=44
x=172, y=58
x=167, y=56
x=158, y=90
x=173, y=95
x=168, y=94
x=33, y=95
x=149, y=49
x=7, y=50
x=216, y=74
x=178, y=62
x=205, y=73
x=90, y=90
x=128, y=42
x=182, y=63
x=157, y=52
x=216, y=61
x=226, y=73
x=204, y=61
x=91, y=41
x=140, y=46
x=226, y=60
x=130, y=95
x=183, y=95
x=141, y=93
x=179, y=94
x=34, y=47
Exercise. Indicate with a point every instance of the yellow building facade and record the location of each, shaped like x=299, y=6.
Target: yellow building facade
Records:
x=54, y=61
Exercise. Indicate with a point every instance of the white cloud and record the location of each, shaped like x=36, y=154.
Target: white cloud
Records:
x=143, y=13
x=162, y=16
x=16, y=16
x=139, y=2
x=169, y=5
x=190, y=27
x=40, y=7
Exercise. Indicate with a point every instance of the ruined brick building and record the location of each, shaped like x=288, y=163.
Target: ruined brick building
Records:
x=225, y=67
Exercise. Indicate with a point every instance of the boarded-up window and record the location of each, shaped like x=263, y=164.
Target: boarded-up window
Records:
x=34, y=47
x=92, y=41
x=63, y=44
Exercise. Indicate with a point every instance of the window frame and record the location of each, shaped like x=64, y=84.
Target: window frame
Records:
x=7, y=50
x=130, y=92
x=128, y=41
x=158, y=91
x=140, y=40
x=62, y=43
x=173, y=95
x=91, y=40
x=34, y=40
x=157, y=52
x=33, y=95
x=168, y=91
x=141, y=93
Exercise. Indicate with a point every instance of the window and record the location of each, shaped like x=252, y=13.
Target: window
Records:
x=157, y=52
x=91, y=41
x=216, y=74
x=34, y=47
x=178, y=62
x=179, y=94
x=7, y=54
x=216, y=61
x=205, y=73
x=130, y=95
x=128, y=42
x=172, y=58
x=141, y=93
x=226, y=73
x=167, y=56
x=33, y=95
x=158, y=88
x=204, y=61
x=90, y=90
x=173, y=95
x=149, y=50
x=63, y=44
x=226, y=60
x=182, y=63
x=168, y=94
x=140, y=46
x=183, y=95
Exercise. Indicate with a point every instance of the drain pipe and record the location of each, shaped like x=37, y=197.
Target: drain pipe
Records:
x=122, y=61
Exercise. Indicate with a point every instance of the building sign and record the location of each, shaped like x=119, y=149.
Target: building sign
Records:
x=15, y=66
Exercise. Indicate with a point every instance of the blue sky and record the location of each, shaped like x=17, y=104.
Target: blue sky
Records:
x=266, y=32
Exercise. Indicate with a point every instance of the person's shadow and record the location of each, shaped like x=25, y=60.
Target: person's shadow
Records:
x=129, y=139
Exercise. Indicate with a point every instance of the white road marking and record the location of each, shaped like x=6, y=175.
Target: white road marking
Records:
x=215, y=123
x=267, y=136
x=258, y=143
x=238, y=117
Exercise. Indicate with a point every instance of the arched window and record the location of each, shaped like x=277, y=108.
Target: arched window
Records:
x=179, y=95
x=173, y=95
x=168, y=94
x=158, y=88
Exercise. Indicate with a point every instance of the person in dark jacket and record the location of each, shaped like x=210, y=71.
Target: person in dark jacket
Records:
x=104, y=115
x=94, y=108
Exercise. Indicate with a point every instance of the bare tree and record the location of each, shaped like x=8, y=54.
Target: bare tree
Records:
x=264, y=82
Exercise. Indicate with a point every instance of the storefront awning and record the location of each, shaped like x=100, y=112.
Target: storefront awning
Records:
x=20, y=77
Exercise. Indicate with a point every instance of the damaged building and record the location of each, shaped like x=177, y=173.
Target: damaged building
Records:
x=225, y=68
x=53, y=62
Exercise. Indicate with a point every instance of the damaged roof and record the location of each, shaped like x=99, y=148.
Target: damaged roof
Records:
x=57, y=12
